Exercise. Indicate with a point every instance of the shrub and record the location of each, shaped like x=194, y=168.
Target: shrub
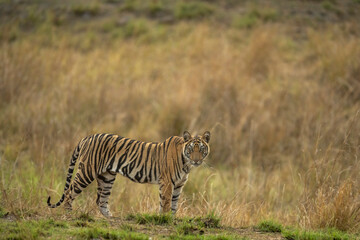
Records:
x=269, y=226
x=253, y=17
x=81, y=10
x=193, y=10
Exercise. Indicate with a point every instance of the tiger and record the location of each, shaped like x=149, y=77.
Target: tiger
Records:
x=103, y=156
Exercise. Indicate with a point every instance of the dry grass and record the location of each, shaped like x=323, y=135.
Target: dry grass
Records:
x=334, y=207
x=283, y=115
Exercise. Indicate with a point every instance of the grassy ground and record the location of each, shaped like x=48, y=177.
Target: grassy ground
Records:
x=146, y=226
x=276, y=83
x=139, y=226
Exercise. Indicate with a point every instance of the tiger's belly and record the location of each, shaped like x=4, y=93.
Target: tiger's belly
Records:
x=137, y=175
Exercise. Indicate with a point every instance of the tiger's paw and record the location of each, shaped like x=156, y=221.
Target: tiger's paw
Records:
x=106, y=212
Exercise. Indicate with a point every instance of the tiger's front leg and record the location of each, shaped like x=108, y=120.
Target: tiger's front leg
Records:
x=176, y=194
x=166, y=190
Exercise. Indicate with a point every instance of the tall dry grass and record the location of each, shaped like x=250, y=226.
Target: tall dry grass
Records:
x=283, y=113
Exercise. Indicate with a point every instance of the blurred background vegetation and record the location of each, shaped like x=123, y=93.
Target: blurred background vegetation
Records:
x=276, y=82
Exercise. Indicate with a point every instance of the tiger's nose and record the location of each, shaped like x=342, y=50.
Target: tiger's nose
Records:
x=196, y=162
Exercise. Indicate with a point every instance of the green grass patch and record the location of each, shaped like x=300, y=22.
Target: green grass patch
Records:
x=109, y=26
x=190, y=227
x=247, y=21
x=79, y=223
x=186, y=228
x=64, y=230
x=140, y=29
x=101, y=233
x=198, y=225
x=193, y=10
x=329, y=234
x=85, y=217
x=113, y=1
x=81, y=10
x=129, y=6
x=269, y=226
x=328, y=5
x=291, y=233
x=127, y=227
x=155, y=7
x=2, y=212
x=32, y=18
x=135, y=28
x=31, y=229
x=207, y=237
x=209, y=221
x=254, y=17
x=156, y=219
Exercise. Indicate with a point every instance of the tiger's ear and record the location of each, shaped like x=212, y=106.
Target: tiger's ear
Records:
x=206, y=136
x=187, y=136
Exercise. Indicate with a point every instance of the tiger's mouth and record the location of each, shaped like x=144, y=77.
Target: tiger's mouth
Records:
x=196, y=164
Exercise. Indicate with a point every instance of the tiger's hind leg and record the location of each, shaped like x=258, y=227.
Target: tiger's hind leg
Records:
x=105, y=182
x=80, y=182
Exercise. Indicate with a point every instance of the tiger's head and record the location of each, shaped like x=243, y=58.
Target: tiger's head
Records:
x=196, y=149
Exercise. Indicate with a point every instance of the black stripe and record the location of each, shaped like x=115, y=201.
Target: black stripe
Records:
x=133, y=151
x=105, y=193
x=107, y=154
x=139, y=174
x=133, y=159
x=87, y=179
x=101, y=177
x=103, y=150
x=89, y=170
x=176, y=196
x=143, y=147
x=147, y=154
x=77, y=190
x=177, y=187
x=170, y=140
x=151, y=158
x=156, y=162
x=97, y=146
x=81, y=181
x=105, y=180
x=152, y=162
x=113, y=148
x=131, y=166
x=122, y=160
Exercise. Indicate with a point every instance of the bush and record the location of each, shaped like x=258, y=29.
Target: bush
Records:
x=81, y=10
x=269, y=226
x=193, y=10
x=254, y=17
x=156, y=219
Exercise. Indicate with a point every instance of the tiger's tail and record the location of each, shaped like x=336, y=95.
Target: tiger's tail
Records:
x=69, y=175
